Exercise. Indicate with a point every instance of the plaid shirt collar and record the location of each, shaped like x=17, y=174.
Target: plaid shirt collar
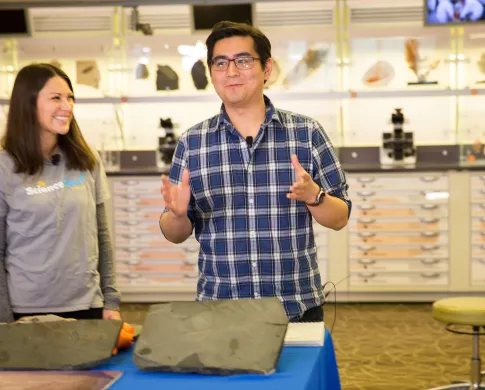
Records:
x=224, y=122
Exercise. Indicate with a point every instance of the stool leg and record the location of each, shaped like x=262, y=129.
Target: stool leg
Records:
x=476, y=364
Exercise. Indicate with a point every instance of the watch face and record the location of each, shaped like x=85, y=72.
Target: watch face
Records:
x=321, y=196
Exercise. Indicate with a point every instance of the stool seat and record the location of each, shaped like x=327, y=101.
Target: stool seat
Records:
x=460, y=311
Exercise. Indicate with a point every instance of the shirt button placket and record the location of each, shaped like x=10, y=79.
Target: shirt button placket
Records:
x=252, y=235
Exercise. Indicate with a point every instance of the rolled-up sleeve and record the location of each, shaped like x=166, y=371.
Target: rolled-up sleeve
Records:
x=326, y=168
x=179, y=163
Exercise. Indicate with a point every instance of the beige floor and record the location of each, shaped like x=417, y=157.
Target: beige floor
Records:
x=386, y=346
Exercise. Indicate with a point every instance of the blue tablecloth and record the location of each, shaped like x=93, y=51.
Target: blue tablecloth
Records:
x=305, y=368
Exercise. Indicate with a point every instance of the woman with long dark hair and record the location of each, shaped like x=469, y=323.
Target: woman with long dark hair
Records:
x=55, y=247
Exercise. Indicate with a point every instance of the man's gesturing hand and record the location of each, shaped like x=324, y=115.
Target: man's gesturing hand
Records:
x=177, y=197
x=304, y=188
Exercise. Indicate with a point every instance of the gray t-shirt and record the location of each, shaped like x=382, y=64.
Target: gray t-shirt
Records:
x=51, y=256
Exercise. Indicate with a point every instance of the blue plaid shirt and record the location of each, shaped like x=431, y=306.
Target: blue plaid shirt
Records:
x=254, y=241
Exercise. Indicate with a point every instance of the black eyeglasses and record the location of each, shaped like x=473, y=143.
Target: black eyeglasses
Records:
x=242, y=63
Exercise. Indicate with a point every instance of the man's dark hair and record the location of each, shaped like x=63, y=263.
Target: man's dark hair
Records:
x=227, y=29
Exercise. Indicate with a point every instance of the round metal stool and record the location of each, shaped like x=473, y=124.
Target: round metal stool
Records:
x=464, y=311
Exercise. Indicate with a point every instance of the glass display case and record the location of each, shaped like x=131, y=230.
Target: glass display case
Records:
x=348, y=64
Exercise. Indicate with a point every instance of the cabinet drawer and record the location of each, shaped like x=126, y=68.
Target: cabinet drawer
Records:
x=478, y=209
x=155, y=254
x=157, y=268
x=189, y=246
x=402, y=224
x=478, y=237
x=372, y=210
x=434, y=278
x=383, y=182
x=138, y=200
x=402, y=252
x=477, y=181
x=153, y=280
x=135, y=226
x=478, y=272
x=478, y=224
x=136, y=212
x=154, y=240
x=398, y=197
x=136, y=186
x=477, y=195
x=399, y=265
x=478, y=251
x=406, y=238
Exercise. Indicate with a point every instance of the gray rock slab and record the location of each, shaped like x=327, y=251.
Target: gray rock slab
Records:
x=221, y=337
x=60, y=345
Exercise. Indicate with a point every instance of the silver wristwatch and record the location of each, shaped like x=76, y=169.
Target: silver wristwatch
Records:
x=319, y=199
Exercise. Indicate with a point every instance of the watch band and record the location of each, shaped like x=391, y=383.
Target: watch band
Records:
x=319, y=199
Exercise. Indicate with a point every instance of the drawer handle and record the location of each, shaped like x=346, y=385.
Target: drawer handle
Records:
x=190, y=261
x=429, y=220
x=366, y=179
x=481, y=261
x=429, y=247
x=130, y=222
x=366, y=207
x=133, y=262
x=429, y=206
x=191, y=250
x=367, y=234
x=129, y=196
x=365, y=194
x=366, y=220
x=131, y=209
x=430, y=261
x=429, y=179
x=132, y=276
x=482, y=233
x=366, y=261
x=130, y=250
x=430, y=234
x=190, y=276
x=482, y=247
x=482, y=219
x=367, y=275
x=130, y=182
x=130, y=236
x=482, y=205
x=366, y=248
x=430, y=275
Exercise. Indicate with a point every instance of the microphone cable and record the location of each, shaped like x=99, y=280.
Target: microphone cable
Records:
x=326, y=294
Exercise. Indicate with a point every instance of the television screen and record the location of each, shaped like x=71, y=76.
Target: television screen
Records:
x=13, y=22
x=205, y=16
x=446, y=12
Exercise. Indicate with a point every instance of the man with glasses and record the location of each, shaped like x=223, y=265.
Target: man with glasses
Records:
x=249, y=181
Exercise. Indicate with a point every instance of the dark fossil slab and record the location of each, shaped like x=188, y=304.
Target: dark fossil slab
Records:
x=221, y=337
x=60, y=345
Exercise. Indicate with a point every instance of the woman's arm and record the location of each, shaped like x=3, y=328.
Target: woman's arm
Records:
x=106, y=267
x=6, y=314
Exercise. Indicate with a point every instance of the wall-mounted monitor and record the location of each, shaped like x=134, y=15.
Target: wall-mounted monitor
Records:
x=205, y=16
x=14, y=22
x=450, y=12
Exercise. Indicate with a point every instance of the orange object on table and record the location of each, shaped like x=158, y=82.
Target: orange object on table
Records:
x=126, y=338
